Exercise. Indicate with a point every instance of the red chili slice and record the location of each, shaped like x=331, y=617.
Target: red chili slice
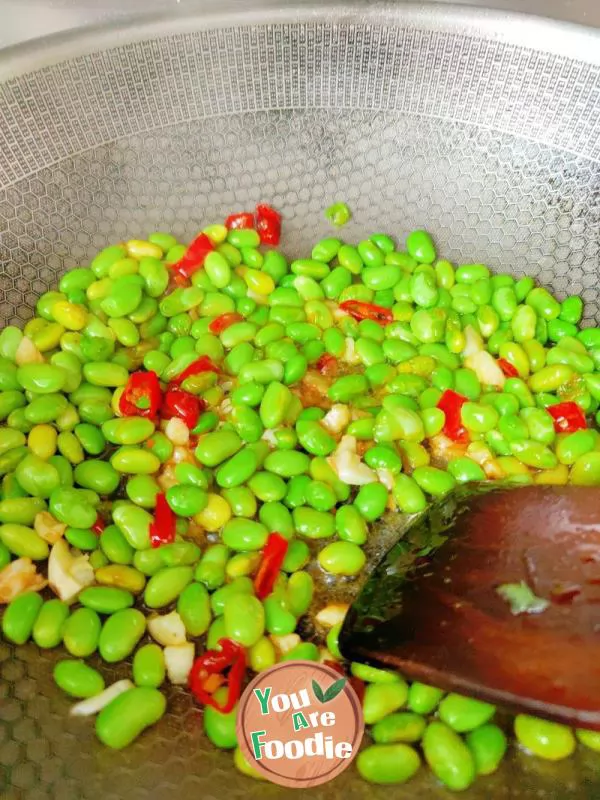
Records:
x=327, y=364
x=568, y=417
x=360, y=311
x=141, y=395
x=241, y=221
x=272, y=558
x=507, y=368
x=163, y=528
x=268, y=224
x=193, y=258
x=202, y=364
x=451, y=403
x=98, y=526
x=215, y=668
x=219, y=324
x=181, y=404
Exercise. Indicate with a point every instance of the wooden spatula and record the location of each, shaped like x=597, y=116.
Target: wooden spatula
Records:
x=494, y=594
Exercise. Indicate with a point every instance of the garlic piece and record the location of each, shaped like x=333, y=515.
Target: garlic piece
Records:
x=283, y=644
x=332, y=614
x=348, y=466
x=27, y=353
x=485, y=366
x=18, y=577
x=269, y=437
x=48, y=527
x=386, y=477
x=177, y=431
x=92, y=705
x=178, y=661
x=67, y=575
x=473, y=342
x=337, y=418
x=167, y=630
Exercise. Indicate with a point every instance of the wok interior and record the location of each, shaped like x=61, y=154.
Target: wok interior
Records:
x=415, y=121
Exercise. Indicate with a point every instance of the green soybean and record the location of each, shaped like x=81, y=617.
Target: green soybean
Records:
x=545, y=739
x=382, y=699
x=81, y=632
x=401, y=726
x=244, y=619
x=48, y=627
x=77, y=679
x=487, y=745
x=193, y=607
x=166, y=585
x=122, y=720
x=463, y=713
x=448, y=756
x=388, y=763
x=149, y=666
x=120, y=634
x=20, y=617
x=105, y=600
x=221, y=728
x=23, y=542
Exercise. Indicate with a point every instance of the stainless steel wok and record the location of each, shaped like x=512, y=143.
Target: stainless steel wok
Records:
x=483, y=127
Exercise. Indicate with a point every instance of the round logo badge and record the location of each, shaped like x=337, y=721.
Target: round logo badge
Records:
x=300, y=723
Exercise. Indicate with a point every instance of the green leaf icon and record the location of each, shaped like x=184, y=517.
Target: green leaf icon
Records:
x=318, y=692
x=327, y=695
x=334, y=689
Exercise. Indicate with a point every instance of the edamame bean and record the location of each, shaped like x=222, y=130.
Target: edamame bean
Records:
x=463, y=713
x=77, y=679
x=120, y=634
x=81, y=632
x=221, y=728
x=20, y=617
x=105, y=600
x=244, y=617
x=305, y=651
x=545, y=739
x=299, y=593
x=122, y=720
x=98, y=475
x=420, y=246
x=589, y=739
x=409, y=495
x=432, y=480
x=71, y=506
x=166, y=585
x=123, y=577
x=23, y=542
x=448, y=756
x=423, y=699
x=570, y=447
x=115, y=546
x=371, y=501
x=382, y=699
x=388, y=763
x=487, y=745
x=584, y=472
x=81, y=539
x=134, y=461
x=134, y=523
x=149, y=666
x=21, y=510
x=313, y=524
x=48, y=627
x=193, y=607
x=402, y=726
x=351, y=525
